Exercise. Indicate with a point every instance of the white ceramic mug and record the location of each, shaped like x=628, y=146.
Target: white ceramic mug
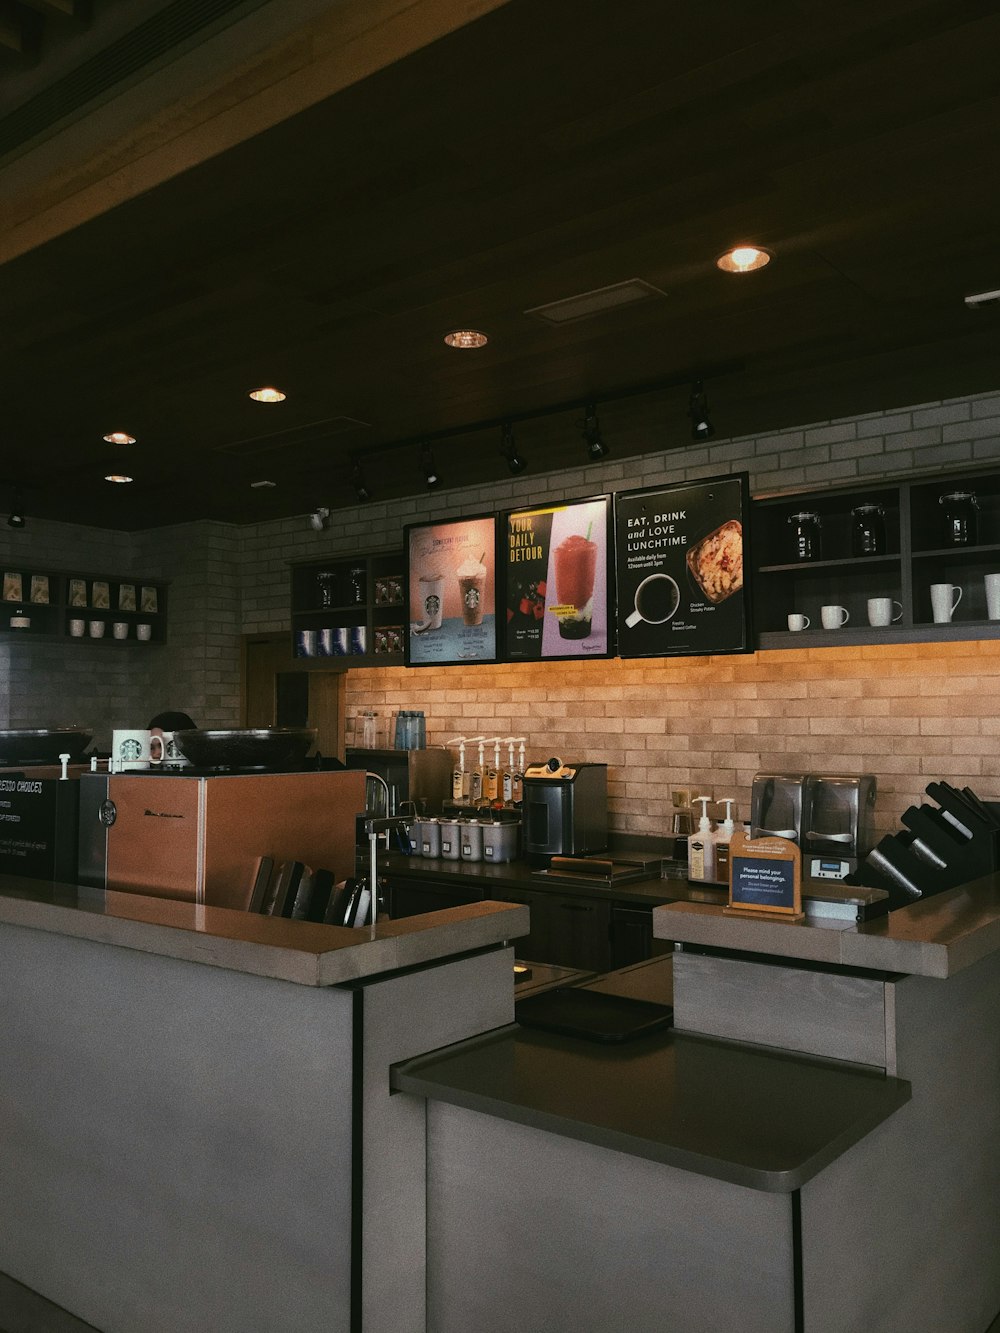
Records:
x=132, y=750
x=944, y=598
x=172, y=754
x=144, y=632
x=880, y=611
x=97, y=629
x=120, y=629
x=992, y=582
x=797, y=623
x=834, y=617
x=77, y=628
x=656, y=600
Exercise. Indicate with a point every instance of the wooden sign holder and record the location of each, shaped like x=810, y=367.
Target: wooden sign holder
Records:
x=765, y=878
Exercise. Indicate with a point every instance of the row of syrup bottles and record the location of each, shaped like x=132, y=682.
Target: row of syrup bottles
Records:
x=489, y=783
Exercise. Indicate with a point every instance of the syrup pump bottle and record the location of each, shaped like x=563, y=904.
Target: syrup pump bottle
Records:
x=458, y=774
x=505, y=791
x=517, y=784
x=701, y=845
x=491, y=774
x=476, y=785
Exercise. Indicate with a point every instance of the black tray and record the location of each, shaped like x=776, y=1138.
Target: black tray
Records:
x=591, y=1015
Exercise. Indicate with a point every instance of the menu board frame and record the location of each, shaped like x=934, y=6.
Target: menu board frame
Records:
x=440, y=548
x=671, y=599
x=536, y=626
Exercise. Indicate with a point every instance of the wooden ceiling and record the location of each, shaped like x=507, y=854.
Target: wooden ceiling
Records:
x=540, y=152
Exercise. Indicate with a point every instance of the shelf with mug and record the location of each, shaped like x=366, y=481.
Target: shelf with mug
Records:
x=869, y=563
x=863, y=635
x=330, y=633
x=50, y=609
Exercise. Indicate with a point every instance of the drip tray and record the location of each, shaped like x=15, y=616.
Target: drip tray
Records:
x=591, y=1015
x=597, y=871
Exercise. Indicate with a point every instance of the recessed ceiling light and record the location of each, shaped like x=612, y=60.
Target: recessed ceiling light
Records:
x=744, y=259
x=120, y=437
x=269, y=395
x=466, y=338
x=256, y=485
x=118, y=477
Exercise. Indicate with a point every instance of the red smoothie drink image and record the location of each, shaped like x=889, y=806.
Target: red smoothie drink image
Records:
x=576, y=562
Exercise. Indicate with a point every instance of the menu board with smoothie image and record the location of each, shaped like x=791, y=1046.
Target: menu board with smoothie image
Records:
x=452, y=592
x=680, y=557
x=556, y=580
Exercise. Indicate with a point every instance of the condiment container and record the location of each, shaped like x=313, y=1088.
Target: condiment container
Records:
x=472, y=840
x=451, y=842
x=500, y=841
x=868, y=530
x=430, y=837
x=959, y=518
x=807, y=541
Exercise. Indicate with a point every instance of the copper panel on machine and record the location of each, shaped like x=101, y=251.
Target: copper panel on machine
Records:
x=307, y=817
x=153, y=842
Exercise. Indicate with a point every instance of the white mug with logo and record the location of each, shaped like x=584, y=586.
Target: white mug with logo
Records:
x=834, y=617
x=797, y=623
x=132, y=750
x=880, y=611
x=992, y=582
x=172, y=754
x=944, y=598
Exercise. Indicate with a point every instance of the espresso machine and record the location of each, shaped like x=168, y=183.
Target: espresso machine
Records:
x=565, y=810
x=829, y=816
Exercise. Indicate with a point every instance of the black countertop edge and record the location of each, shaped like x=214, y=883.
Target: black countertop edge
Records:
x=446, y=1076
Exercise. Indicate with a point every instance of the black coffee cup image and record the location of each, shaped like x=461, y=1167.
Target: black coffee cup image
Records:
x=656, y=600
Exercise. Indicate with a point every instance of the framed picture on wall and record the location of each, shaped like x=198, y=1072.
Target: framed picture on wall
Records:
x=680, y=556
x=451, y=581
x=556, y=581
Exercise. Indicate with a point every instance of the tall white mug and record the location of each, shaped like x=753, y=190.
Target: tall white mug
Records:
x=834, y=617
x=133, y=750
x=944, y=598
x=992, y=582
x=880, y=611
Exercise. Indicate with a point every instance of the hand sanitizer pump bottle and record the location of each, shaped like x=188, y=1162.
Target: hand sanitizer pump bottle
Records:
x=722, y=837
x=701, y=845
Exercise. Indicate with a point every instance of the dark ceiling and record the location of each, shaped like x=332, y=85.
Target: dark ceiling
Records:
x=540, y=152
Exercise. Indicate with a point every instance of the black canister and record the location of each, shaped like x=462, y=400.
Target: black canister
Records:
x=959, y=518
x=868, y=530
x=806, y=536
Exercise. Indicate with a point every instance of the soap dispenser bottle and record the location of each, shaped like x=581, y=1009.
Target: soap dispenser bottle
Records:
x=701, y=845
x=723, y=834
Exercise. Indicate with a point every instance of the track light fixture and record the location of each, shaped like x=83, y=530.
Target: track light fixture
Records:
x=427, y=465
x=596, y=448
x=701, y=426
x=515, y=463
x=358, y=482
x=319, y=519
x=16, y=519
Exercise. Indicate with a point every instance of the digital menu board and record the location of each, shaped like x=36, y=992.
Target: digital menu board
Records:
x=555, y=564
x=452, y=592
x=680, y=553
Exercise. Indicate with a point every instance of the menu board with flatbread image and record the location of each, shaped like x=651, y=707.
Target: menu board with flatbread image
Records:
x=682, y=569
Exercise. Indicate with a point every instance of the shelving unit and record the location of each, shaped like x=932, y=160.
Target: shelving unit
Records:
x=74, y=597
x=349, y=612
x=914, y=559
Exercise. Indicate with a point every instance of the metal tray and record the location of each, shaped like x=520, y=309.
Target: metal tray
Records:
x=589, y=1014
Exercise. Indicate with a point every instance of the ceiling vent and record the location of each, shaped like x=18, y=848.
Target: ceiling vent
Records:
x=596, y=302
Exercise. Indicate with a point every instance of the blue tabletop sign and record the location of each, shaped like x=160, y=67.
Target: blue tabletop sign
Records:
x=765, y=875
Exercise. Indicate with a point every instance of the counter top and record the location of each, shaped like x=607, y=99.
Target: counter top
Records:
x=933, y=937
x=297, y=951
x=763, y=1119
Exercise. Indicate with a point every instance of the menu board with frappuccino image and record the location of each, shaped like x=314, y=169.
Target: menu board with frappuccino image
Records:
x=681, y=552
x=452, y=592
x=556, y=581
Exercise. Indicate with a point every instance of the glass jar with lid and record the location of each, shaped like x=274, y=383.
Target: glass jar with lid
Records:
x=868, y=529
x=807, y=542
x=959, y=518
